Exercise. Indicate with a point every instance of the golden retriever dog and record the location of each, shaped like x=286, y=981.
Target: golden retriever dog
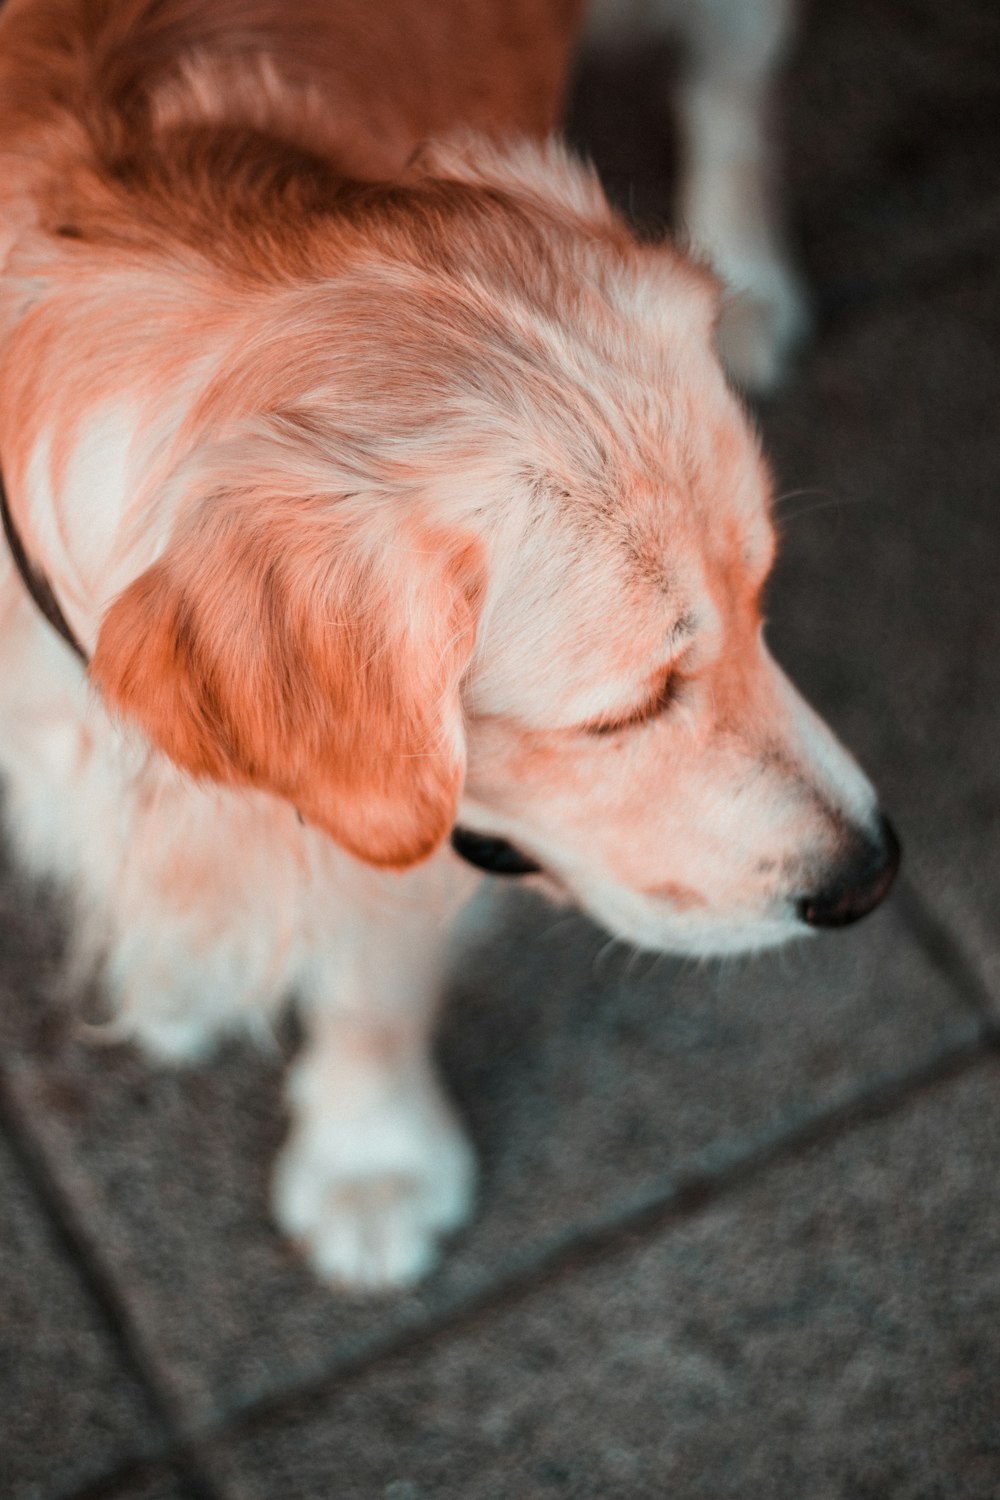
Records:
x=377, y=509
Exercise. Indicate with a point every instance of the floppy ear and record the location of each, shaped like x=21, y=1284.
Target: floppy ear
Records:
x=270, y=647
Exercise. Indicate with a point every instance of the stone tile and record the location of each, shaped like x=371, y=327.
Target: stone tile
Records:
x=31, y=948
x=69, y=1407
x=890, y=126
x=591, y=1084
x=155, y=1481
x=828, y=1331
x=886, y=130
x=885, y=604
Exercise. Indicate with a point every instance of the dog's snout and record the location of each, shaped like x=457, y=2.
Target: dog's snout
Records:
x=861, y=882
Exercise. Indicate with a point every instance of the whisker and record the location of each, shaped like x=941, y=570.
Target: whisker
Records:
x=824, y=504
x=605, y=949
x=797, y=495
x=552, y=928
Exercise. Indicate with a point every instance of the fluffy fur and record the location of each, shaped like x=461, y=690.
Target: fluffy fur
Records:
x=388, y=481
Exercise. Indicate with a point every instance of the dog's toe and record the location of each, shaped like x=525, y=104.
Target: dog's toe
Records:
x=374, y=1235
x=174, y=1041
x=380, y=1229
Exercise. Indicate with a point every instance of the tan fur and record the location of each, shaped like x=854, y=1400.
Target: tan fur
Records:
x=390, y=482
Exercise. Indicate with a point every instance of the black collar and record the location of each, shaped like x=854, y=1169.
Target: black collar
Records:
x=35, y=581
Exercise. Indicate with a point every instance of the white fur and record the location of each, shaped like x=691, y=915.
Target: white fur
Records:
x=588, y=450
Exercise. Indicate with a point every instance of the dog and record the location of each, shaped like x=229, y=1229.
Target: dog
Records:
x=378, y=513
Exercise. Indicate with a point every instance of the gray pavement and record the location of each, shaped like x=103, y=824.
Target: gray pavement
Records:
x=739, y=1232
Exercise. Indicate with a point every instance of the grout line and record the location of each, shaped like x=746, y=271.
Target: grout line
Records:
x=181, y=1446
x=77, y=1244
x=946, y=952
x=132, y=1471
x=687, y=1197
x=180, y=1460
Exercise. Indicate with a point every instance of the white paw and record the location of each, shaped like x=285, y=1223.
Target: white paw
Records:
x=764, y=320
x=369, y=1192
x=177, y=1042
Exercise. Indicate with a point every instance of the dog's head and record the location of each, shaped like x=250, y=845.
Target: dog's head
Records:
x=473, y=529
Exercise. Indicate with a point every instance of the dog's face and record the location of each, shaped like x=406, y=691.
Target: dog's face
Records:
x=641, y=744
x=628, y=728
x=491, y=544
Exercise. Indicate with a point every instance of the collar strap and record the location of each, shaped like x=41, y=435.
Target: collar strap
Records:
x=35, y=581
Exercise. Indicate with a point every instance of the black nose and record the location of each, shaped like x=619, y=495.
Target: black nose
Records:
x=859, y=885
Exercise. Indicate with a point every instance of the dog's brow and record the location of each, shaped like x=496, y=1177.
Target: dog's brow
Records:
x=652, y=699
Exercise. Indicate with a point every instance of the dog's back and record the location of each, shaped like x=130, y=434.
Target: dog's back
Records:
x=368, y=81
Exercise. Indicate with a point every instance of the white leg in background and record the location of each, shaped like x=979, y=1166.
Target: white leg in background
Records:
x=727, y=203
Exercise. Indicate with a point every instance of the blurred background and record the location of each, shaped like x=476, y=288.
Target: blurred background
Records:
x=739, y=1232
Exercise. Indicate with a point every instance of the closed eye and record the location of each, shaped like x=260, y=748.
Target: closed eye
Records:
x=666, y=694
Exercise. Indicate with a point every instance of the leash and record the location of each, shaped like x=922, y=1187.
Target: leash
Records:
x=35, y=581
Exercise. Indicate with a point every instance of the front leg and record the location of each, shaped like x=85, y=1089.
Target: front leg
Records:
x=377, y=1168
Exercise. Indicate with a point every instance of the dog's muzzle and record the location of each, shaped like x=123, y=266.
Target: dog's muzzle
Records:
x=862, y=881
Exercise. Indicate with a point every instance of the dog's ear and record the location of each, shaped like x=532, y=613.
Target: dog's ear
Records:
x=268, y=648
